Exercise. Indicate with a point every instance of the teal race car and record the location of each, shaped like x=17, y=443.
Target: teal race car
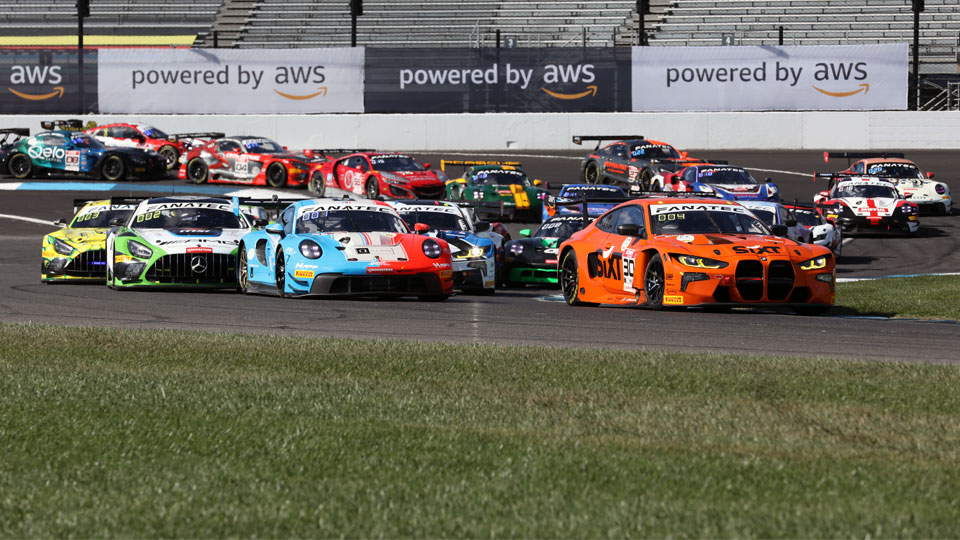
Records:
x=503, y=182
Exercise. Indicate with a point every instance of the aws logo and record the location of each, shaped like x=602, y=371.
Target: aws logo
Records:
x=570, y=74
x=826, y=72
x=300, y=75
x=35, y=75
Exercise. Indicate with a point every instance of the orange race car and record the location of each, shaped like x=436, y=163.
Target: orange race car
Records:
x=665, y=251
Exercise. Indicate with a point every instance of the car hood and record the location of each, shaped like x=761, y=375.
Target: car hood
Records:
x=733, y=245
x=415, y=177
x=737, y=188
x=90, y=238
x=871, y=207
x=369, y=247
x=194, y=240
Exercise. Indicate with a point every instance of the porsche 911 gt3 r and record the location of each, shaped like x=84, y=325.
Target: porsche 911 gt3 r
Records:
x=476, y=250
x=182, y=241
x=867, y=204
x=910, y=181
x=77, y=252
x=344, y=247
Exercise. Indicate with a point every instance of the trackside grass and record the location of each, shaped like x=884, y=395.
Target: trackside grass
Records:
x=122, y=433
x=927, y=297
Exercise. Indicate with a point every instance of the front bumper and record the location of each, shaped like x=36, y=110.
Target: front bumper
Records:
x=86, y=266
x=887, y=224
x=177, y=270
x=413, y=284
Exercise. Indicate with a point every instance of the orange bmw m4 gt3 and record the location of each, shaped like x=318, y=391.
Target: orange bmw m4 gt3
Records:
x=661, y=252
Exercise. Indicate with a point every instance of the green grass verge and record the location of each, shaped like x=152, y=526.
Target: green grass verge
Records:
x=121, y=433
x=933, y=297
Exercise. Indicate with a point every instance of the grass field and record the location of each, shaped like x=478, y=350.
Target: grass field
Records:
x=933, y=297
x=120, y=433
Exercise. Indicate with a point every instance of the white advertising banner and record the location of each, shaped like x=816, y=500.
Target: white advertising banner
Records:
x=767, y=78
x=224, y=81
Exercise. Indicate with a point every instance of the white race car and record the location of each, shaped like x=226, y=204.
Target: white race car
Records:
x=823, y=232
x=865, y=203
x=775, y=214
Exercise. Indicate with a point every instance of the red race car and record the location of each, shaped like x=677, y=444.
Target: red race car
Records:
x=171, y=147
x=395, y=176
x=245, y=159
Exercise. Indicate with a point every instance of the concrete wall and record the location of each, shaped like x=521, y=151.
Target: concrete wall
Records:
x=544, y=131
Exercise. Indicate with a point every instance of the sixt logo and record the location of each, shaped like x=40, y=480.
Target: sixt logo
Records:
x=756, y=250
x=20, y=75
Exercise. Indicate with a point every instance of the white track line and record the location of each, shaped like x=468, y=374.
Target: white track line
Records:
x=29, y=219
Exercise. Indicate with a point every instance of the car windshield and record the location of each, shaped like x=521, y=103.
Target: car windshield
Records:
x=262, y=146
x=328, y=221
x=894, y=170
x=593, y=192
x=866, y=191
x=727, y=176
x=806, y=218
x=502, y=178
x=83, y=140
x=189, y=218
x=701, y=221
x=653, y=151
x=99, y=217
x=154, y=133
x=765, y=216
x=395, y=163
x=559, y=228
x=441, y=221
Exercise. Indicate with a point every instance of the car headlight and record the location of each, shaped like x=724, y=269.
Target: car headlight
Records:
x=908, y=209
x=516, y=249
x=310, y=249
x=815, y=263
x=703, y=188
x=475, y=251
x=391, y=179
x=62, y=247
x=139, y=250
x=431, y=248
x=699, y=262
x=478, y=194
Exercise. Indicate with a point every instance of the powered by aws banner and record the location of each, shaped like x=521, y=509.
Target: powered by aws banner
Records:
x=231, y=81
x=841, y=77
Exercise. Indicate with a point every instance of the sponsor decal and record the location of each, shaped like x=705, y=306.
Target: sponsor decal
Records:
x=441, y=265
x=756, y=249
x=47, y=153
x=199, y=250
x=122, y=258
x=673, y=300
x=305, y=266
x=685, y=238
x=379, y=269
x=303, y=274
x=446, y=274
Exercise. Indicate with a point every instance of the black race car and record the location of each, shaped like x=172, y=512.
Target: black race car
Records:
x=533, y=259
x=633, y=161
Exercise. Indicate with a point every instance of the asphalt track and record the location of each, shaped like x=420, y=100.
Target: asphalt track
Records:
x=512, y=316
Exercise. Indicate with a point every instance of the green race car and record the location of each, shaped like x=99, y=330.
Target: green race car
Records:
x=500, y=182
x=77, y=252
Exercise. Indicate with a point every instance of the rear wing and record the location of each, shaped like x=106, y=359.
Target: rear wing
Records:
x=70, y=124
x=462, y=163
x=578, y=139
x=584, y=200
x=12, y=135
x=114, y=201
x=861, y=155
x=272, y=206
x=197, y=135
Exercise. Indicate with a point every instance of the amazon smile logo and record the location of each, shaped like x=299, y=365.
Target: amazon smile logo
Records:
x=36, y=75
x=864, y=87
x=591, y=90
x=320, y=91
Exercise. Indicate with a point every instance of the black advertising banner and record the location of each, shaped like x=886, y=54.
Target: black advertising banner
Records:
x=42, y=81
x=570, y=79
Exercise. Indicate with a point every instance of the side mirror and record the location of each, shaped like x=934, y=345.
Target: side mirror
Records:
x=684, y=154
x=538, y=183
x=421, y=228
x=779, y=230
x=481, y=226
x=768, y=180
x=260, y=222
x=790, y=222
x=524, y=233
x=426, y=165
x=285, y=148
x=824, y=194
x=117, y=222
x=629, y=229
x=929, y=174
x=274, y=228
x=60, y=222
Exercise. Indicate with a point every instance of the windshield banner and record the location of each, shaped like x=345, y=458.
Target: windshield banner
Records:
x=231, y=81
x=762, y=78
x=47, y=81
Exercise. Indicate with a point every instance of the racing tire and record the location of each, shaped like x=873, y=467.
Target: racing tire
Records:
x=944, y=210
x=372, y=188
x=317, y=184
x=654, y=282
x=646, y=176
x=836, y=255
x=170, y=154
x=809, y=311
x=197, y=171
x=20, y=166
x=280, y=271
x=113, y=168
x=570, y=280
x=591, y=173
x=243, y=271
x=276, y=175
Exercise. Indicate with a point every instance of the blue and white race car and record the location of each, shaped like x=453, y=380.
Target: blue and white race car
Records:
x=572, y=192
x=727, y=181
x=344, y=247
x=476, y=250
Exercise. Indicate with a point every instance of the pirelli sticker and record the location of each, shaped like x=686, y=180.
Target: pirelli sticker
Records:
x=303, y=274
x=673, y=300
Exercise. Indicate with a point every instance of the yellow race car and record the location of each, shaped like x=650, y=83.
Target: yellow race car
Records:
x=78, y=251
